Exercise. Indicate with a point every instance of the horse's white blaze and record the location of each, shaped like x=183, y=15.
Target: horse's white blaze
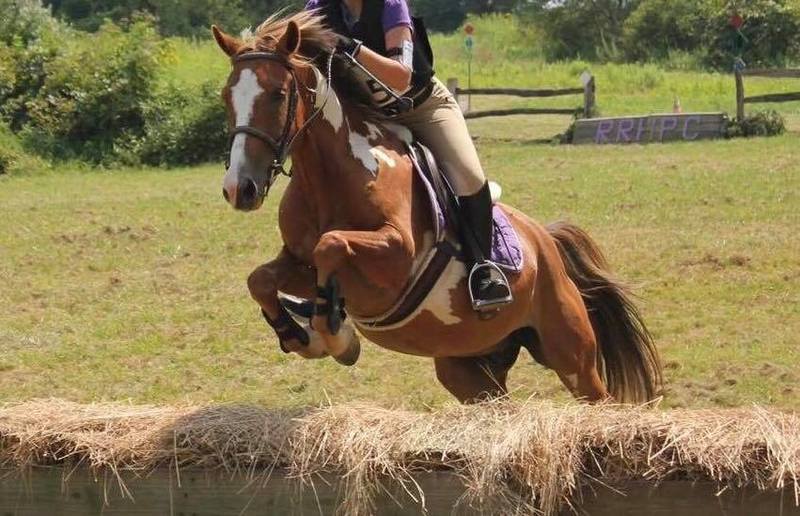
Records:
x=362, y=151
x=380, y=155
x=440, y=301
x=244, y=94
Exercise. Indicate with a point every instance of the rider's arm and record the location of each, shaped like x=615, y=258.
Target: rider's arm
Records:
x=395, y=73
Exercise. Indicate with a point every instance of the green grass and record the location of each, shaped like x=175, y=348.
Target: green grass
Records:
x=131, y=284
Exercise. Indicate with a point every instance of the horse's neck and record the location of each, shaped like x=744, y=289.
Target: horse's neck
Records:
x=322, y=161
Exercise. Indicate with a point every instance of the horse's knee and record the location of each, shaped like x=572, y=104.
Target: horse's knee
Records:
x=261, y=284
x=330, y=250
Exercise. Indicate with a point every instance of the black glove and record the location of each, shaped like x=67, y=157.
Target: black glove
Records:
x=349, y=46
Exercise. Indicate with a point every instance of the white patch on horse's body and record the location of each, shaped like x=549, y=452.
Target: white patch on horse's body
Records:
x=439, y=301
x=374, y=131
x=362, y=151
x=380, y=155
x=243, y=94
x=401, y=131
x=328, y=101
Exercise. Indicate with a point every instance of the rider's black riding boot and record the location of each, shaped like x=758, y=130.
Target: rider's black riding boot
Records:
x=488, y=285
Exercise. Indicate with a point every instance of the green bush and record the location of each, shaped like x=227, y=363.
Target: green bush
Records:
x=182, y=127
x=13, y=159
x=29, y=39
x=588, y=29
x=93, y=92
x=762, y=123
x=441, y=16
x=658, y=28
x=23, y=21
x=772, y=28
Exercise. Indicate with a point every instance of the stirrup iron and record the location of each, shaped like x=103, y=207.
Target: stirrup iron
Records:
x=484, y=306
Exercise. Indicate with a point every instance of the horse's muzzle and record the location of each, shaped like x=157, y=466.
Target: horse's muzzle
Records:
x=244, y=196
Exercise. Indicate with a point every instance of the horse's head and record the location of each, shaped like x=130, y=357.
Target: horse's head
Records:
x=261, y=98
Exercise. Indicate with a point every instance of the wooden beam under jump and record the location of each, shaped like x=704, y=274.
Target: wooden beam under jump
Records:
x=521, y=111
x=518, y=92
x=773, y=97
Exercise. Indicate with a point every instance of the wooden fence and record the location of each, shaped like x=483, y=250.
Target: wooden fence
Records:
x=741, y=100
x=587, y=90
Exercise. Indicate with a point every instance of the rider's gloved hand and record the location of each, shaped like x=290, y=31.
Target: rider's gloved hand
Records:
x=348, y=46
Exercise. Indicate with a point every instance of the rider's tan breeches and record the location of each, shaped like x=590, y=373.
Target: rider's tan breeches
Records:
x=439, y=124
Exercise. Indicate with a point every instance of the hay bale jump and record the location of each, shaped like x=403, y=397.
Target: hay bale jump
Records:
x=501, y=458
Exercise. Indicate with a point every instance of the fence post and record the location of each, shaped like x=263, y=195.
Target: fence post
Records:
x=739, y=94
x=588, y=96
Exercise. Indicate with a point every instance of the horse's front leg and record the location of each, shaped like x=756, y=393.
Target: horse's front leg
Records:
x=286, y=274
x=383, y=258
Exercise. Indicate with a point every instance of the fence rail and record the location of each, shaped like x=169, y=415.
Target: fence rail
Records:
x=588, y=90
x=741, y=99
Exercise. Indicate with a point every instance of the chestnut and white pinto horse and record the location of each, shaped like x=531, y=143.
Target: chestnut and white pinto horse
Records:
x=358, y=229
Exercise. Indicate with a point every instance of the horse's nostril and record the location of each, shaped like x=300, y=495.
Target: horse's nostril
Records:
x=248, y=190
x=225, y=195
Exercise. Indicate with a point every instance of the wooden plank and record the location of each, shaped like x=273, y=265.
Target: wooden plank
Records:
x=650, y=128
x=786, y=73
x=739, y=95
x=589, y=94
x=773, y=97
x=199, y=493
x=521, y=111
x=516, y=92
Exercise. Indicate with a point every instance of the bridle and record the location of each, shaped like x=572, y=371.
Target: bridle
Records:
x=281, y=147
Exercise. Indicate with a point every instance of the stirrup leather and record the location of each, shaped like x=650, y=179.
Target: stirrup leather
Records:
x=495, y=272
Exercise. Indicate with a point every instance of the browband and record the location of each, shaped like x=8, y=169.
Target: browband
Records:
x=272, y=56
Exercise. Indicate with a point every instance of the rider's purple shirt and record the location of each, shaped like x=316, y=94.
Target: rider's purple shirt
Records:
x=395, y=13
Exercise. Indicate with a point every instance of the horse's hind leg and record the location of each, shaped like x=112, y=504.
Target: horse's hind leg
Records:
x=566, y=340
x=473, y=379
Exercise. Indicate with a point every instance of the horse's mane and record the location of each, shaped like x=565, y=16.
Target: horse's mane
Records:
x=317, y=41
x=316, y=38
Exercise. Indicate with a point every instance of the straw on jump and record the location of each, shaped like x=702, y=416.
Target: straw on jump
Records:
x=530, y=456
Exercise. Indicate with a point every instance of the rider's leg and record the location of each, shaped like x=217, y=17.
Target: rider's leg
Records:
x=439, y=124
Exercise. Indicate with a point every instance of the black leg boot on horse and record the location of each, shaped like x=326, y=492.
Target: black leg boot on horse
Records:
x=488, y=284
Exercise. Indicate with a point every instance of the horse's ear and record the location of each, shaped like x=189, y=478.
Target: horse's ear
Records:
x=290, y=41
x=228, y=44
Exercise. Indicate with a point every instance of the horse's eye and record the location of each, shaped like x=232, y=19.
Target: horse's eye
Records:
x=278, y=94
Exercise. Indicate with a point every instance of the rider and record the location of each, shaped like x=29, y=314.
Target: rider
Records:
x=382, y=37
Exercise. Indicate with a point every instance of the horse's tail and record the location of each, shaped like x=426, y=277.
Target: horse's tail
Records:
x=627, y=357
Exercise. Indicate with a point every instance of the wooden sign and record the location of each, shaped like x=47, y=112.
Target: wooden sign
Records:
x=650, y=128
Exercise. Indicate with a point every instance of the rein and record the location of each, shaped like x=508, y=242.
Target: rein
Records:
x=281, y=147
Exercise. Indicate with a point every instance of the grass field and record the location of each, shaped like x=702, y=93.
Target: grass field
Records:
x=130, y=284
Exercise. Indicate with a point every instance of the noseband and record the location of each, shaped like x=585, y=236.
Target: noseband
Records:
x=283, y=146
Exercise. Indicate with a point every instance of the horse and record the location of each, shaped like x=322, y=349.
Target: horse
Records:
x=357, y=227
